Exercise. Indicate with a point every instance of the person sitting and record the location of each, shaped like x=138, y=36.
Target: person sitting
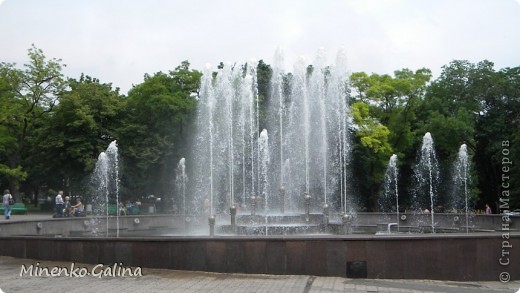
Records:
x=67, y=207
x=122, y=209
x=77, y=209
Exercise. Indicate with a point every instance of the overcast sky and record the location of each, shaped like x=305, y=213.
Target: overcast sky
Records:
x=118, y=41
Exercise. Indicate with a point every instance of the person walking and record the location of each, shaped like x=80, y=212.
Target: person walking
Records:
x=7, y=201
x=59, y=204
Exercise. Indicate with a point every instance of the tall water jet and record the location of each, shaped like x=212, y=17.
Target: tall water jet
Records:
x=307, y=117
x=427, y=178
x=278, y=98
x=251, y=100
x=181, y=179
x=263, y=146
x=104, y=184
x=337, y=91
x=316, y=131
x=99, y=183
x=247, y=134
x=253, y=125
x=113, y=174
x=227, y=138
x=205, y=145
x=224, y=128
x=318, y=91
x=300, y=75
x=391, y=192
x=461, y=182
x=230, y=99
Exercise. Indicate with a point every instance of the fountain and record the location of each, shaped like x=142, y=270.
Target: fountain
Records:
x=113, y=176
x=239, y=174
x=391, y=192
x=307, y=118
x=461, y=183
x=227, y=102
x=426, y=179
x=105, y=180
x=263, y=147
x=278, y=107
x=99, y=181
x=180, y=182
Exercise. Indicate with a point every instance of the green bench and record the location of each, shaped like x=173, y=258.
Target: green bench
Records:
x=113, y=210
x=16, y=208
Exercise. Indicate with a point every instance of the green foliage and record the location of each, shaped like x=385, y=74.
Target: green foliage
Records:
x=373, y=154
x=499, y=122
x=29, y=96
x=82, y=125
x=153, y=133
x=473, y=104
x=264, y=73
x=450, y=108
x=52, y=129
x=384, y=108
x=393, y=101
x=8, y=172
x=373, y=135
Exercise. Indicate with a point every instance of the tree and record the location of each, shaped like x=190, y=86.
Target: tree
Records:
x=373, y=152
x=393, y=101
x=264, y=72
x=451, y=107
x=8, y=140
x=28, y=96
x=497, y=135
x=153, y=135
x=473, y=104
x=373, y=135
x=68, y=143
x=384, y=109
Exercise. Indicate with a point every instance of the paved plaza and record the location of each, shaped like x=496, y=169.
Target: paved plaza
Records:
x=16, y=275
x=14, y=279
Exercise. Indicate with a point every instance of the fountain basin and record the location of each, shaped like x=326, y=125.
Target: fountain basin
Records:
x=362, y=223
x=273, y=229
x=161, y=241
x=462, y=257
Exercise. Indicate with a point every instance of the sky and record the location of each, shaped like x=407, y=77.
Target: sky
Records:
x=118, y=41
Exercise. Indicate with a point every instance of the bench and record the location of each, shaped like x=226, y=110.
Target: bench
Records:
x=113, y=209
x=16, y=208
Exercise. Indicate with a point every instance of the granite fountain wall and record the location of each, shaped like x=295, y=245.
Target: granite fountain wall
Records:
x=449, y=256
